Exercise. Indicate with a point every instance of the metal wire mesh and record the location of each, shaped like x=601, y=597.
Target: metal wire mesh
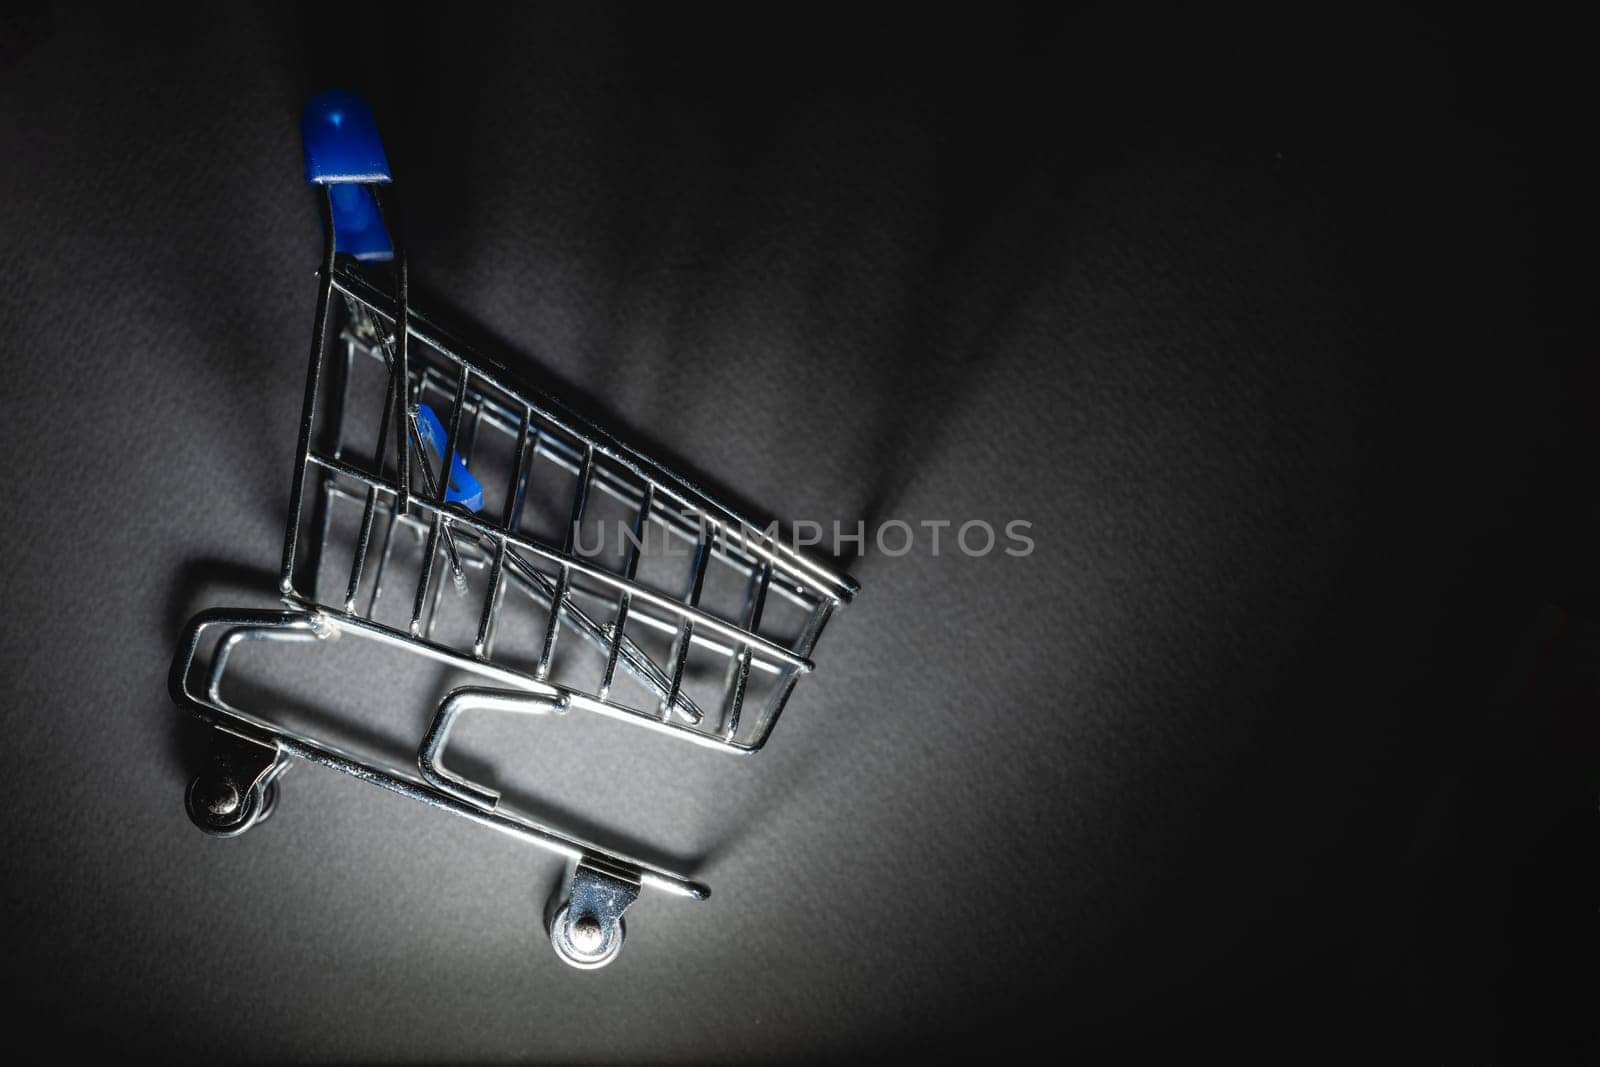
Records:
x=587, y=566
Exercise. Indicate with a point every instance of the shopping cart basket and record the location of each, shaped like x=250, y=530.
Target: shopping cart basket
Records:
x=437, y=507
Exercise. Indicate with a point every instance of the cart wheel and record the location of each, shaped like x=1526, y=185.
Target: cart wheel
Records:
x=586, y=942
x=269, y=802
x=216, y=807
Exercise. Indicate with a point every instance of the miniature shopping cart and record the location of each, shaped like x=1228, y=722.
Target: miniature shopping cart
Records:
x=440, y=510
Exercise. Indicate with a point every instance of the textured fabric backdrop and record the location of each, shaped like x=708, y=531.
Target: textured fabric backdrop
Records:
x=1244, y=317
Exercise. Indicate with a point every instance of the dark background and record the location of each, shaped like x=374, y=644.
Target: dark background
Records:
x=1283, y=741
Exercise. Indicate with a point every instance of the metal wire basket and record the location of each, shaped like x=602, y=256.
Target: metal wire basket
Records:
x=438, y=508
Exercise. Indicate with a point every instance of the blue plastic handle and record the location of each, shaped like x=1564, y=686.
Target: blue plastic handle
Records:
x=462, y=488
x=341, y=140
x=343, y=151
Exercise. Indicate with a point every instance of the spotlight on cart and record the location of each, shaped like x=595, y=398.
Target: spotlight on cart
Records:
x=445, y=464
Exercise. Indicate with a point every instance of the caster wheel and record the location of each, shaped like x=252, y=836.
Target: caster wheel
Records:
x=269, y=802
x=216, y=807
x=585, y=942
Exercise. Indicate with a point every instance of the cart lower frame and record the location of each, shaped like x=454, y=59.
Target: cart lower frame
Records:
x=238, y=790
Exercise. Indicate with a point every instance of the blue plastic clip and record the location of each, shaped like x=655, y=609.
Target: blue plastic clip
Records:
x=343, y=151
x=462, y=488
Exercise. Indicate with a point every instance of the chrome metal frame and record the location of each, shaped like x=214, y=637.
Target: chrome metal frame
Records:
x=399, y=494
